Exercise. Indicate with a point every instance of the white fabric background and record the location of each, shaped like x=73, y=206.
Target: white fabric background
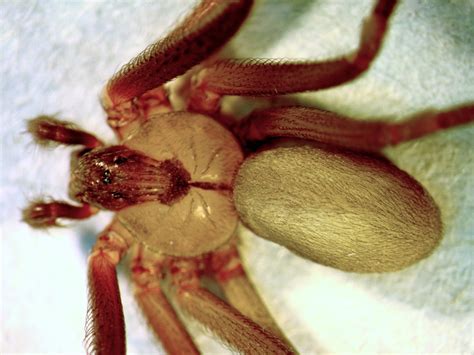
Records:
x=54, y=58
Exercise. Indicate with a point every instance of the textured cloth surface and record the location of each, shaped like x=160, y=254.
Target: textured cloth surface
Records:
x=55, y=58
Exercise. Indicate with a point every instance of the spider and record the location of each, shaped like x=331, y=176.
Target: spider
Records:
x=44, y=121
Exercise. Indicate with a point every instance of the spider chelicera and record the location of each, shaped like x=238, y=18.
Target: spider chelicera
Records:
x=175, y=193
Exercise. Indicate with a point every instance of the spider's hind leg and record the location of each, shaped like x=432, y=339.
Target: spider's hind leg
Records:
x=225, y=265
x=233, y=327
x=333, y=129
x=161, y=317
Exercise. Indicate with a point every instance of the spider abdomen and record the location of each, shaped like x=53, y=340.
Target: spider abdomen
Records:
x=346, y=210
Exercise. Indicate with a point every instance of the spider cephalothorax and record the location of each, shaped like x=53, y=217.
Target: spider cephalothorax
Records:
x=179, y=182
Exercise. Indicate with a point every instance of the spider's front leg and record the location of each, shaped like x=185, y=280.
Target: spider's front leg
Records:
x=205, y=30
x=263, y=77
x=105, y=328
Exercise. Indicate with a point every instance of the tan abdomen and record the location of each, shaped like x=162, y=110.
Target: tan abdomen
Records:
x=340, y=209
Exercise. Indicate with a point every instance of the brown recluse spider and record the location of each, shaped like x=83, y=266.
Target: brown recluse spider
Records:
x=173, y=193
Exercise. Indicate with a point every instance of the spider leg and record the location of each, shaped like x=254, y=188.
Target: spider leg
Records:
x=206, y=29
x=136, y=89
x=235, y=329
x=48, y=129
x=162, y=318
x=105, y=327
x=263, y=77
x=41, y=214
x=130, y=115
x=328, y=127
x=226, y=267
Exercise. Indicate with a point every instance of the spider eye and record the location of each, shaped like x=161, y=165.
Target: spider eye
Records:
x=117, y=195
x=119, y=160
x=106, y=178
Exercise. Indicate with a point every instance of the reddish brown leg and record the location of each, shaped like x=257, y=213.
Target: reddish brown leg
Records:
x=130, y=115
x=226, y=267
x=262, y=77
x=105, y=328
x=42, y=214
x=203, y=32
x=48, y=129
x=225, y=321
x=162, y=318
x=136, y=90
x=328, y=127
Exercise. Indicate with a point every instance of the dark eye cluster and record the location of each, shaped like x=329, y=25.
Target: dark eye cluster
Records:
x=107, y=174
x=117, y=195
x=107, y=178
x=119, y=160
